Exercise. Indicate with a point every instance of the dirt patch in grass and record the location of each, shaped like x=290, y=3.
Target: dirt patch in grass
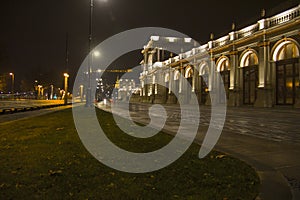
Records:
x=43, y=158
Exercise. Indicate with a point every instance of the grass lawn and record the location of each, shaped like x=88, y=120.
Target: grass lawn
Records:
x=43, y=158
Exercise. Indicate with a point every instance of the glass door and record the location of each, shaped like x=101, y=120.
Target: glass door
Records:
x=287, y=79
x=250, y=84
x=226, y=83
x=204, y=88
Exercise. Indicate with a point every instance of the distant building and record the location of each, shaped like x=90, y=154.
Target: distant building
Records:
x=125, y=88
x=103, y=90
x=3, y=83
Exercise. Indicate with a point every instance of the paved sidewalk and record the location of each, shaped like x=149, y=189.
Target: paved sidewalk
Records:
x=267, y=139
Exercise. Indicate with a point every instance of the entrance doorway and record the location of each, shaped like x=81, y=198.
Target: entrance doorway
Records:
x=250, y=76
x=226, y=83
x=287, y=79
x=204, y=88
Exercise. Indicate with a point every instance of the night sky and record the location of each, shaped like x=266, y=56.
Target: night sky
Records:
x=33, y=33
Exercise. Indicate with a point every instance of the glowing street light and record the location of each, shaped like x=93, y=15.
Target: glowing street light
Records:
x=12, y=82
x=81, y=93
x=40, y=91
x=96, y=53
x=66, y=75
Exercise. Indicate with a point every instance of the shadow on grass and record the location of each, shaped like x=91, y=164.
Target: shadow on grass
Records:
x=43, y=158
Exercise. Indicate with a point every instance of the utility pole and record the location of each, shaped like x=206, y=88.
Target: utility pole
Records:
x=89, y=89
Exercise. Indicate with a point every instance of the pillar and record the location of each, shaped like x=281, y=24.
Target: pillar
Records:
x=197, y=88
x=297, y=102
x=211, y=82
x=235, y=89
x=182, y=86
x=265, y=86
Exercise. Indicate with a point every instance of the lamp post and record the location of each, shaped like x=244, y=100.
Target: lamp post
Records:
x=12, y=82
x=39, y=91
x=89, y=89
x=81, y=92
x=66, y=75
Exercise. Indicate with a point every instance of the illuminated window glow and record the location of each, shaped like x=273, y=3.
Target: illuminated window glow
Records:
x=223, y=64
x=249, y=59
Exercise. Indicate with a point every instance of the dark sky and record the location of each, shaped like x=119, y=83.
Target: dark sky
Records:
x=33, y=33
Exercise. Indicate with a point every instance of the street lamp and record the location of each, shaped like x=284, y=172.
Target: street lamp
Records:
x=66, y=75
x=96, y=53
x=81, y=92
x=40, y=91
x=12, y=82
x=89, y=89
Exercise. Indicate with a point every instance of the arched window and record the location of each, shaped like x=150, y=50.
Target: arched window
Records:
x=223, y=64
x=167, y=77
x=285, y=53
x=203, y=68
x=176, y=75
x=223, y=67
x=204, y=81
x=249, y=58
x=285, y=49
x=249, y=64
x=189, y=72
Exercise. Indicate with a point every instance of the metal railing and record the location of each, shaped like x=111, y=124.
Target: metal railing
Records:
x=284, y=17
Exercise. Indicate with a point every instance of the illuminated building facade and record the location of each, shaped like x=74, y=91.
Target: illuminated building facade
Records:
x=259, y=66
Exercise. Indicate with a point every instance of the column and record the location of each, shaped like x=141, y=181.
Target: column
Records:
x=211, y=82
x=235, y=89
x=171, y=81
x=265, y=89
x=182, y=86
x=152, y=87
x=171, y=96
x=158, y=54
x=197, y=83
x=194, y=79
x=297, y=103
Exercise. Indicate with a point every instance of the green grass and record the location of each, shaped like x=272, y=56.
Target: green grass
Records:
x=43, y=158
